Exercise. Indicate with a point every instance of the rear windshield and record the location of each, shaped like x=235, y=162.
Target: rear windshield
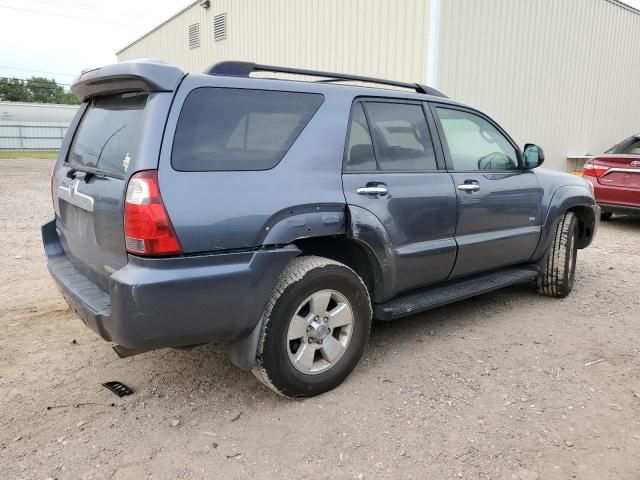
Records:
x=630, y=146
x=107, y=133
x=238, y=129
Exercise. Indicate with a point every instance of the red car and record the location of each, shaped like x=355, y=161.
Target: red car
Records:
x=615, y=176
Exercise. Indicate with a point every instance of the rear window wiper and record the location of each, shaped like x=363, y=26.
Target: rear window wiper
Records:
x=91, y=170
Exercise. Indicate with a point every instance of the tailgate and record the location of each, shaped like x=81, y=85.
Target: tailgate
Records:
x=89, y=186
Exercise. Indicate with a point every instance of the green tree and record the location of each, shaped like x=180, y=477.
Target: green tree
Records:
x=43, y=90
x=35, y=89
x=67, y=98
x=13, y=90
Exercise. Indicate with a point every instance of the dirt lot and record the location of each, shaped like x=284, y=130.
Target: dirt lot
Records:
x=494, y=387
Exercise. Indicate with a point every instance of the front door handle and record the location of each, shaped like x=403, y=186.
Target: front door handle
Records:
x=377, y=190
x=469, y=187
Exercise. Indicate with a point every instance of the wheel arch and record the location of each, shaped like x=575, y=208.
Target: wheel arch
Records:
x=354, y=254
x=587, y=222
x=572, y=198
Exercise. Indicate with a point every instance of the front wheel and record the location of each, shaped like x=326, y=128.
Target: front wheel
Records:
x=315, y=327
x=557, y=278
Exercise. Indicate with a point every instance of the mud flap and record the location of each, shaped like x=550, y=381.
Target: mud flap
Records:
x=242, y=352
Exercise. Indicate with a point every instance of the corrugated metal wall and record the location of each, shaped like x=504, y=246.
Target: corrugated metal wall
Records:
x=560, y=73
x=32, y=135
x=375, y=37
x=34, y=126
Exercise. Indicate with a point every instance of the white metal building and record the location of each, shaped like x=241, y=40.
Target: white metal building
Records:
x=34, y=126
x=559, y=73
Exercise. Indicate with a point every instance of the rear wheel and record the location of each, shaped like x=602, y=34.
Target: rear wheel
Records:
x=604, y=216
x=315, y=328
x=557, y=278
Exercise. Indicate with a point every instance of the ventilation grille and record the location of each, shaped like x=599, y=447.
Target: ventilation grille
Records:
x=220, y=27
x=194, y=35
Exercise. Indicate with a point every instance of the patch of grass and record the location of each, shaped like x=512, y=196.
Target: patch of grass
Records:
x=40, y=154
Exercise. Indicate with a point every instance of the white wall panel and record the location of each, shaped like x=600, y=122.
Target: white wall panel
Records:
x=370, y=37
x=560, y=73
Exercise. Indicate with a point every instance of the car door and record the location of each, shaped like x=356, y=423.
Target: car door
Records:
x=391, y=170
x=499, y=214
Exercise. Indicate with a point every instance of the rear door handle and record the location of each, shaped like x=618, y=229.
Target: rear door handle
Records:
x=469, y=187
x=377, y=190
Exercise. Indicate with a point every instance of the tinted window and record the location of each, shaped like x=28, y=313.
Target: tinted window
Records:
x=401, y=136
x=236, y=129
x=474, y=143
x=107, y=132
x=360, y=156
x=631, y=146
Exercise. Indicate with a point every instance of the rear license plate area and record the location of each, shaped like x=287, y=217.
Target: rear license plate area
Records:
x=76, y=220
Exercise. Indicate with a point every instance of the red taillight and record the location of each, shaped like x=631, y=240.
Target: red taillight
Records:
x=594, y=170
x=147, y=227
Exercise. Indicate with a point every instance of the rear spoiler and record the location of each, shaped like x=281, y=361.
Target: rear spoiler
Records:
x=138, y=75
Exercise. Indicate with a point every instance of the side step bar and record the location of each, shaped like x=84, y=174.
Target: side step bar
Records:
x=453, y=291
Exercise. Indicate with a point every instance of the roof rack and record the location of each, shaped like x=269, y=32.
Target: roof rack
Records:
x=244, y=69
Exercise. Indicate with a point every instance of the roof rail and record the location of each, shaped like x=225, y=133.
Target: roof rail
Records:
x=244, y=69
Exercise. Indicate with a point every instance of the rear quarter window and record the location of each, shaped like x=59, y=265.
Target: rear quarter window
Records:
x=237, y=129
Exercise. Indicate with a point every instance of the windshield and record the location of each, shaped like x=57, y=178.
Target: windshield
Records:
x=107, y=133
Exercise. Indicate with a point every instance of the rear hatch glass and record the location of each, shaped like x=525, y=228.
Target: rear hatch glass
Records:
x=106, y=133
x=90, y=185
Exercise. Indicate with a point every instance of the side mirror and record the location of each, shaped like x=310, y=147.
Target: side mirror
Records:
x=533, y=156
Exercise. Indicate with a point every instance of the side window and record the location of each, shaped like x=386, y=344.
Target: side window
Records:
x=237, y=129
x=474, y=143
x=401, y=136
x=360, y=155
x=257, y=131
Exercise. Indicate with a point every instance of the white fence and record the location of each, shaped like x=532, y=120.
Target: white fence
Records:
x=32, y=135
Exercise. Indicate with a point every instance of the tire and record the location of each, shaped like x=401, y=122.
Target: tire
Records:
x=286, y=364
x=557, y=278
x=606, y=216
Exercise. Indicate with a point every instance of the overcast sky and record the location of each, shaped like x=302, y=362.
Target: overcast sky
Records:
x=59, y=38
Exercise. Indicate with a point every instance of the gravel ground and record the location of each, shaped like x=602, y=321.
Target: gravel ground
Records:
x=496, y=387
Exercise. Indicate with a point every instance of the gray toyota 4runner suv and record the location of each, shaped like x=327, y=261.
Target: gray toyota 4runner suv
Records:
x=284, y=215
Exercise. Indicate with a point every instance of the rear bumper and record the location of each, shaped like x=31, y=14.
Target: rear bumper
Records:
x=616, y=199
x=170, y=302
